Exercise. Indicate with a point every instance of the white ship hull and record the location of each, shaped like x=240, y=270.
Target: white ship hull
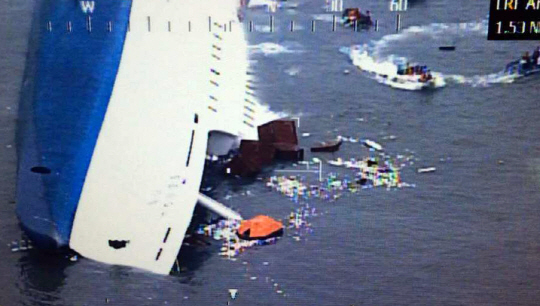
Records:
x=144, y=178
x=114, y=134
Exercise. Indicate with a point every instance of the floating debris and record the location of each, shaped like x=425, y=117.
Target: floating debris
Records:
x=328, y=146
x=261, y=227
x=20, y=245
x=447, y=48
x=368, y=173
x=23, y=245
x=427, y=170
x=227, y=232
x=338, y=162
x=349, y=139
x=212, y=158
x=390, y=137
x=372, y=145
x=293, y=71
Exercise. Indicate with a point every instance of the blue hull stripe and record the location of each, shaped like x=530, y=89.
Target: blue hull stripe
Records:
x=69, y=88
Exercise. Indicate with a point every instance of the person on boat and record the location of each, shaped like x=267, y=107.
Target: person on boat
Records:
x=536, y=55
x=356, y=14
x=429, y=77
x=400, y=69
x=346, y=16
x=525, y=61
x=368, y=17
x=351, y=15
x=408, y=69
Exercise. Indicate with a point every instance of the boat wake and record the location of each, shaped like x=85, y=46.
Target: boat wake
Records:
x=389, y=70
x=482, y=80
x=268, y=48
x=433, y=30
x=380, y=66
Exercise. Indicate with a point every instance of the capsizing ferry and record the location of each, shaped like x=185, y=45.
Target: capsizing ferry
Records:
x=121, y=103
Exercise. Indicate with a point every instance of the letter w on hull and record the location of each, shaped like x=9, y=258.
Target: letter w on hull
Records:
x=87, y=6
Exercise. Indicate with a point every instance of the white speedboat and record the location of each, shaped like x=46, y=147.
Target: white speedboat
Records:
x=394, y=72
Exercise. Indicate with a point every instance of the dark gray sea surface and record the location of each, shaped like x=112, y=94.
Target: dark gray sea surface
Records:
x=467, y=234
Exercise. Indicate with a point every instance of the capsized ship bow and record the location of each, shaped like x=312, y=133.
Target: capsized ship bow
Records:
x=121, y=99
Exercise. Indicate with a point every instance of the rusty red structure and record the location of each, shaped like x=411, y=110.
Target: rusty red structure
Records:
x=278, y=139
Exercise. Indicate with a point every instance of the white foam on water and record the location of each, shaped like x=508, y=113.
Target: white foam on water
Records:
x=345, y=50
x=260, y=3
x=265, y=114
x=326, y=17
x=385, y=69
x=436, y=30
x=262, y=114
x=269, y=48
x=291, y=11
x=262, y=111
x=292, y=71
x=482, y=80
x=265, y=29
